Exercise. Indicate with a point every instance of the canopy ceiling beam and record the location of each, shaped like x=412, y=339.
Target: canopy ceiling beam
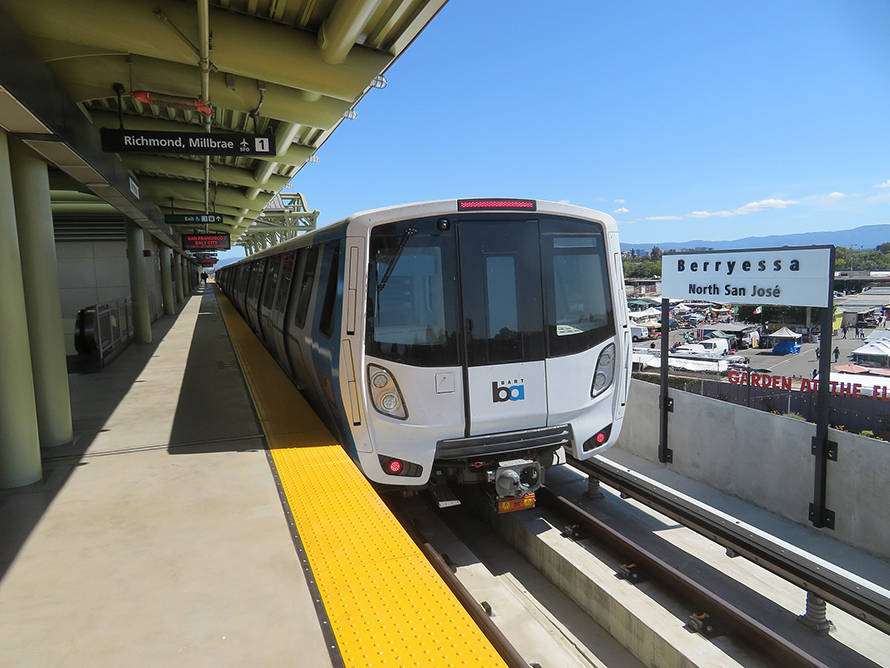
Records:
x=242, y=45
x=192, y=169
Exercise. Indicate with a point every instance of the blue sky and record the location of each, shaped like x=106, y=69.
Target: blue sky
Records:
x=685, y=120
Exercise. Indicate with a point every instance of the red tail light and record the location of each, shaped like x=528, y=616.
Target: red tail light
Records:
x=395, y=466
x=600, y=438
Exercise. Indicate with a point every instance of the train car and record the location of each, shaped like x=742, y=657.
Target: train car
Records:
x=457, y=341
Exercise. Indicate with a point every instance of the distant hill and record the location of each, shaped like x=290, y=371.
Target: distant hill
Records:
x=868, y=236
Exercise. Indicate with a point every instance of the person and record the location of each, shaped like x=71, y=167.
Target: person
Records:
x=204, y=277
x=855, y=331
x=844, y=330
x=818, y=352
x=837, y=354
x=815, y=373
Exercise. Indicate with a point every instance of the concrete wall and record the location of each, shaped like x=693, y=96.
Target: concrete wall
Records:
x=765, y=459
x=90, y=272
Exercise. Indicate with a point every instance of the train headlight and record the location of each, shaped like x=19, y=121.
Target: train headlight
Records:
x=385, y=393
x=605, y=370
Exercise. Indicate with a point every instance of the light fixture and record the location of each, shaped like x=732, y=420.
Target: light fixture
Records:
x=312, y=158
x=379, y=81
x=350, y=115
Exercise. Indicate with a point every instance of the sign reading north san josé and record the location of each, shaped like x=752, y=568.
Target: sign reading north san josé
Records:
x=787, y=277
x=198, y=242
x=186, y=143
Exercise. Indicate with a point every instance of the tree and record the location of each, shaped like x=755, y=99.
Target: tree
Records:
x=656, y=253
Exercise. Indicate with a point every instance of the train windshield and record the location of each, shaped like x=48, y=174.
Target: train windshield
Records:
x=412, y=316
x=531, y=287
x=576, y=277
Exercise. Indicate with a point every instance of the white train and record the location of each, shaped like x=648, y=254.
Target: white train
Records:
x=458, y=341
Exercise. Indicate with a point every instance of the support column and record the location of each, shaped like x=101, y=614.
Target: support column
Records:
x=19, y=440
x=138, y=283
x=40, y=277
x=167, y=279
x=177, y=276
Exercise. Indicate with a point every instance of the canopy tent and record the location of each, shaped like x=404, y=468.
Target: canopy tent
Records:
x=719, y=335
x=637, y=302
x=874, y=352
x=648, y=313
x=654, y=361
x=784, y=333
x=851, y=368
x=650, y=324
x=681, y=308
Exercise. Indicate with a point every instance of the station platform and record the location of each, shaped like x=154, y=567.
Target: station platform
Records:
x=159, y=536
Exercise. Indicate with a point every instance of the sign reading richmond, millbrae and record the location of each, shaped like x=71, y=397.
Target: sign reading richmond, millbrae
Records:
x=186, y=143
x=787, y=276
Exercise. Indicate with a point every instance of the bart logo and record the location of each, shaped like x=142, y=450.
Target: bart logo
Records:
x=501, y=391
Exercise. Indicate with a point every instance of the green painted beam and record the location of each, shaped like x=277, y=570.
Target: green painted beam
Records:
x=242, y=44
x=91, y=78
x=184, y=167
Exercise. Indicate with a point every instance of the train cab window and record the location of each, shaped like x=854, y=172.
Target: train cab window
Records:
x=284, y=283
x=306, y=287
x=412, y=315
x=579, y=303
x=271, y=281
x=326, y=324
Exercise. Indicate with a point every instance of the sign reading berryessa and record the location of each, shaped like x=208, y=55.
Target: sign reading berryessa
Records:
x=186, y=143
x=787, y=276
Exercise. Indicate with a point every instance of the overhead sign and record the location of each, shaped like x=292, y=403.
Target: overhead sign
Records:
x=214, y=241
x=787, y=276
x=186, y=143
x=197, y=218
x=207, y=263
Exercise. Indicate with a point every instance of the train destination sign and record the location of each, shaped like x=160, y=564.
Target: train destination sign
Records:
x=197, y=218
x=186, y=143
x=206, y=242
x=207, y=262
x=787, y=276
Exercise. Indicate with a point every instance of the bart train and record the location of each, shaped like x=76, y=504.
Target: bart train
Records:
x=457, y=341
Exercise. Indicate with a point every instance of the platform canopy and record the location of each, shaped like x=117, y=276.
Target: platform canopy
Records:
x=291, y=69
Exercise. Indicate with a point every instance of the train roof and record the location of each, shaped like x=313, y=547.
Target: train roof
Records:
x=433, y=208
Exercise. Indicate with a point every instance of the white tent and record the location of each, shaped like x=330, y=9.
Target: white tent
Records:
x=875, y=352
x=648, y=313
x=784, y=333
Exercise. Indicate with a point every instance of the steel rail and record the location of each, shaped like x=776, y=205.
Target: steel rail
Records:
x=724, y=614
x=836, y=586
x=489, y=629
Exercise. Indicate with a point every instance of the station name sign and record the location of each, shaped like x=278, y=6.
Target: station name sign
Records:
x=187, y=143
x=206, y=242
x=786, y=277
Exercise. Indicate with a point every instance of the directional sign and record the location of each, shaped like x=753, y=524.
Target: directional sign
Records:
x=218, y=241
x=198, y=218
x=186, y=143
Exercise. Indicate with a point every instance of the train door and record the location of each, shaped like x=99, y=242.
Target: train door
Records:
x=503, y=323
x=267, y=299
x=281, y=306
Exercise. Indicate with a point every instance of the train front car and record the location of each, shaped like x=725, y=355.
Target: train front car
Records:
x=494, y=334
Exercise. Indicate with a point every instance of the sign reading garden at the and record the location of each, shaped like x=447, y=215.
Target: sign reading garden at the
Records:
x=786, y=276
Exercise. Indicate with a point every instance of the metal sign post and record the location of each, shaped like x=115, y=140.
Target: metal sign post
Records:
x=823, y=449
x=666, y=404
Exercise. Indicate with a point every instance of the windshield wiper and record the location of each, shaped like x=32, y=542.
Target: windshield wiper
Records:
x=409, y=232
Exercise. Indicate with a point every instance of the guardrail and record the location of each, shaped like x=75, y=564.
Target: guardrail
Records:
x=103, y=331
x=849, y=592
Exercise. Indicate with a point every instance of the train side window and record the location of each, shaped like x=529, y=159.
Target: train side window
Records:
x=271, y=281
x=326, y=324
x=306, y=287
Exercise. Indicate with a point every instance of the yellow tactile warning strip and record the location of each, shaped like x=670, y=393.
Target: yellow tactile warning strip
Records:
x=386, y=604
